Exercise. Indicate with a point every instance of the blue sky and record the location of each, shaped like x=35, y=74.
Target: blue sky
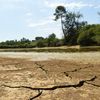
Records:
x=31, y=18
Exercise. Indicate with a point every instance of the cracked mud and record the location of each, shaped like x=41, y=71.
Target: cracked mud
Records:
x=55, y=79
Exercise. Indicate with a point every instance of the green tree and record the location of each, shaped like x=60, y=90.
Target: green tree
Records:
x=60, y=12
x=52, y=40
x=23, y=40
x=69, y=21
x=89, y=35
x=39, y=38
x=41, y=43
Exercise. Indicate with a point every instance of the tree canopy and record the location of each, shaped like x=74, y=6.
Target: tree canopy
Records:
x=69, y=21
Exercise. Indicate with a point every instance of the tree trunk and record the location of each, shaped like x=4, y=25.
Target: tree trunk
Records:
x=63, y=31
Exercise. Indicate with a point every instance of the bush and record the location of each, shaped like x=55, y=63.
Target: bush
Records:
x=97, y=39
x=89, y=35
x=40, y=43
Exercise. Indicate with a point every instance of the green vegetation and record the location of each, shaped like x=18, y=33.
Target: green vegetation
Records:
x=70, y=24
x=50, y=41
x=89, y=35
x=75, y=32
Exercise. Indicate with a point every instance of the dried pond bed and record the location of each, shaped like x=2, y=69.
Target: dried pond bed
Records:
x=49, y=78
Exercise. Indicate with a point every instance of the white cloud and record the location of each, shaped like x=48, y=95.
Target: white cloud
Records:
x=98, y=6
x=29, y=14
x=11, y=3
x=41, y=23
x=69, y=5
x=78, y=5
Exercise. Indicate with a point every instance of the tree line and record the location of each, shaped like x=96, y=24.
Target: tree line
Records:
x=50, y=41
x=75, y=32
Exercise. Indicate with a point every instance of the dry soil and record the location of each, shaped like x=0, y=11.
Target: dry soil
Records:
x=49, y=76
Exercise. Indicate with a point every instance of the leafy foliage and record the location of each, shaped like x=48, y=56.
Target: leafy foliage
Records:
x=74, y=32
x=89, y=35
x=70, y=23
x=50, y=41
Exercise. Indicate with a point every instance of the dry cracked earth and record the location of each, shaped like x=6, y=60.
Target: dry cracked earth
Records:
x=52, y=79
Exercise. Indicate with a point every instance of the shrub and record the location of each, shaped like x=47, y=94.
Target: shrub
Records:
x=89, y=35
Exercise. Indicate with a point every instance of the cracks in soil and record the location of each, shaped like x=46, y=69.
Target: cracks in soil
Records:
x=75, y=70
x=93, y=84
x=41, y=89
x=41, y=67
x=67, y=75
x=39, y=93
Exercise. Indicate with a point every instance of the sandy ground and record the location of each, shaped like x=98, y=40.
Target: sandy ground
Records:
x=49, y=76
x=84, y=57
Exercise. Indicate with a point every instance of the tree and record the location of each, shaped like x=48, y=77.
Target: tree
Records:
x=23, y=40
x=40, y=43
x=39, y=38
x=89, y=35
x=52, y=36
x=52, y=40
x=69, y=22
x=60, y=12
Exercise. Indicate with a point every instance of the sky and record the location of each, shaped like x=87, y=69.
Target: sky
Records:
x=32, y=18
